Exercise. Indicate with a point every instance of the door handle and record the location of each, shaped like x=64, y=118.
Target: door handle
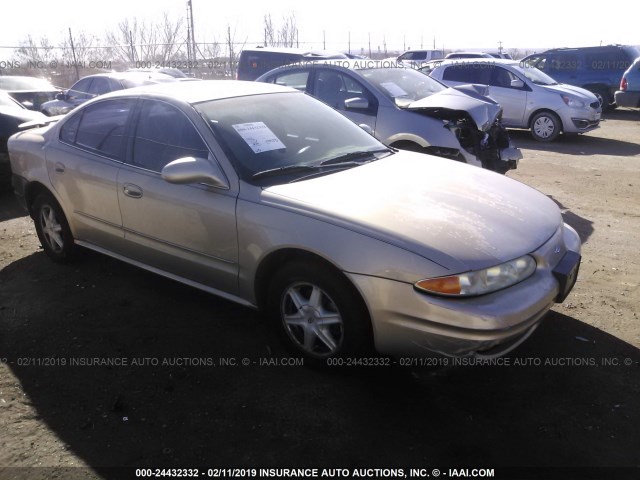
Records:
x=59, y=167
x=131, y=190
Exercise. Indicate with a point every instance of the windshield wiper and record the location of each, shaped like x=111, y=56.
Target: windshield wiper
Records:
x=284, y=169
x=350, y=157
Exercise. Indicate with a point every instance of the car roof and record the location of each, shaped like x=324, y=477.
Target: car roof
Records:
x=346, y=63
x=196, y=92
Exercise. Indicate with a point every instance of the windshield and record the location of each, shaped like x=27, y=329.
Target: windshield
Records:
x=534, y=75
x=402, y=85
x=281, y=131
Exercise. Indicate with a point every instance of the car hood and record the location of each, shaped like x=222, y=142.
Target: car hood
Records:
x=581, y=93
x=458, y=216
x=21, y=114
x=460, y=100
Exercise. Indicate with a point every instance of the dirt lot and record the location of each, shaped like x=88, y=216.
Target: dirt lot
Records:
x=568, y=397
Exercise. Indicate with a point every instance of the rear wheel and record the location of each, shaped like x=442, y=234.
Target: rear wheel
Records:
x=53, y=229
x=318, y=313
x=545, y=126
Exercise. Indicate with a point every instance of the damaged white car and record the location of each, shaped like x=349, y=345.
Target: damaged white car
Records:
x=405, y=109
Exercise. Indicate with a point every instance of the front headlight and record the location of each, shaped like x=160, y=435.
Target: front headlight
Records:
x=573, y=102
x=480, y=282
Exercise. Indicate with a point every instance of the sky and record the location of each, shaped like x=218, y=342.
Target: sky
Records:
x=463, y=24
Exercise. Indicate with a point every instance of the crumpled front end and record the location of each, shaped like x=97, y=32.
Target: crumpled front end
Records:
x=493, y=147
x=476, y=122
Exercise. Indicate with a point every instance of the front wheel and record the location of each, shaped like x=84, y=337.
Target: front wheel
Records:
x=53, y=229
x=545, y=126
x=318, y=313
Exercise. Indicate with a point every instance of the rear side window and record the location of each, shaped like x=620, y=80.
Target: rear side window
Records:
x=468, y=73
x=164, y=134
x=297, y=79
x=99, y=128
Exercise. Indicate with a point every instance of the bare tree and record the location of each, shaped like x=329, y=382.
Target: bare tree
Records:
x=35, y=51
x=515, y=53
x=233, y=50
x=85, y=46
x=286, y=35
x=269, y=32
x=288, y=31
x=122, y=41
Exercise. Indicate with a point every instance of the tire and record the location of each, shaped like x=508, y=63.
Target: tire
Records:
x=545, y=126
x=604, y=97
x=318, y=313
x=53, y=229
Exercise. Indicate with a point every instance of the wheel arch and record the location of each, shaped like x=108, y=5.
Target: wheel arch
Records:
x=31, y=192
x=276, y=259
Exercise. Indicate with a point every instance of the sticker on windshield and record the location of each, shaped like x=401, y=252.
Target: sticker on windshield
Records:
x=258, y=136
x=393, y=89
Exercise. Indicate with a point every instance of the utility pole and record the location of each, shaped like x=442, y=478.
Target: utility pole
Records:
x=369, y=44
x=349, y=41
x=133, y=50
x=73, y=52
x=500, y=46
x=191, y=37
x=324, y=40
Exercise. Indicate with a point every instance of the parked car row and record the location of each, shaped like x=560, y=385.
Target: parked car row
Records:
x=94, y=85
x=270, y=198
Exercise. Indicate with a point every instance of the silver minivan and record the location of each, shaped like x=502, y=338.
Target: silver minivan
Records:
x=529, y=98
x=405, y=109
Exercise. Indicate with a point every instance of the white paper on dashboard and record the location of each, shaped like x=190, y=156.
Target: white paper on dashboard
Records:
x=258, y=136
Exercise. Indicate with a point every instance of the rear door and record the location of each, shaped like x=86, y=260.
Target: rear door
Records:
x=512, y=100
x=83, y=167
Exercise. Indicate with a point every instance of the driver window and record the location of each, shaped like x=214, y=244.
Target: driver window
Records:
x=334, y=88
x=164, y=134
x=501, y=77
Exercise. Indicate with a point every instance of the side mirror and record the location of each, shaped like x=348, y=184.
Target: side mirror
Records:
x=61, y=96
x=517, y=83
x=194, y=170
x=356, y=103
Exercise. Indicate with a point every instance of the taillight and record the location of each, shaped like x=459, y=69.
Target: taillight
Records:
x=623, y=84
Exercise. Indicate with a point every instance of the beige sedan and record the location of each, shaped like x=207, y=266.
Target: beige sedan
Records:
x=269, y=198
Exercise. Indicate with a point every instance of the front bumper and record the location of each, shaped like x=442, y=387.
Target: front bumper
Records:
x=407, y=322
x=580, y=120
x=627, y=99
